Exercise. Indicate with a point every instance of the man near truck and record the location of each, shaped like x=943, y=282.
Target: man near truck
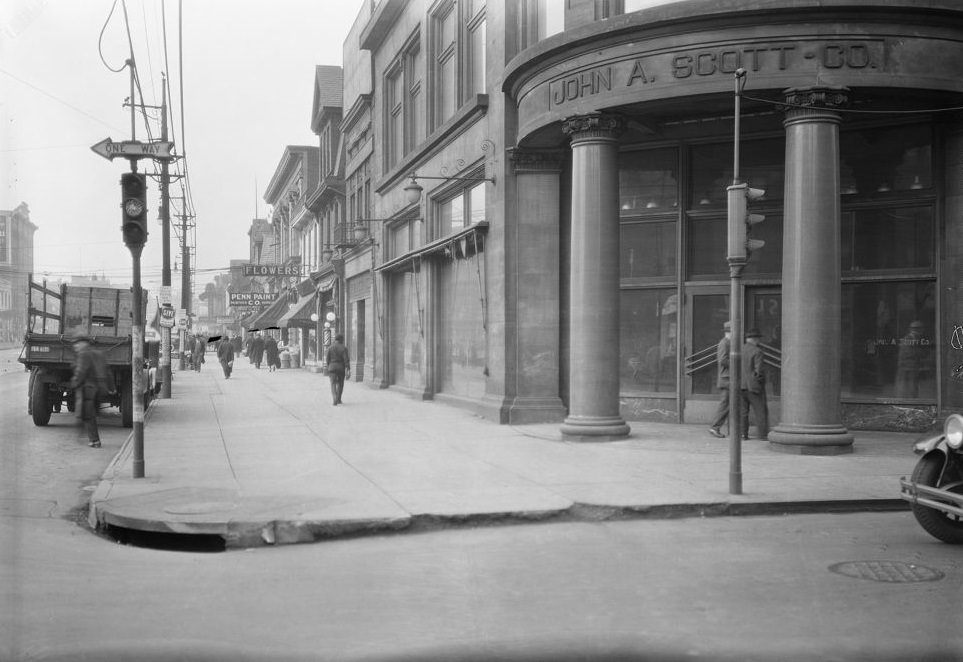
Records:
x=91, y=381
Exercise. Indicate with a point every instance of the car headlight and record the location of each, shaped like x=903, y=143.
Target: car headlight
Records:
x=953, y=429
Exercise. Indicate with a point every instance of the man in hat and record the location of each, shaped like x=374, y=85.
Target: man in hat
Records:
x=338, y=362
x=722, y=382
x=90, y=381
x=754, y=386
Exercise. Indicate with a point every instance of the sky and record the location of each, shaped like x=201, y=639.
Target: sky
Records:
x=248, y=85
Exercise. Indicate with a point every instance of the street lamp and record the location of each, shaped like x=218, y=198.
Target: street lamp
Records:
x=414, y=190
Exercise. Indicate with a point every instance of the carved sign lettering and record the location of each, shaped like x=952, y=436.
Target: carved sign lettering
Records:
x=691, y=65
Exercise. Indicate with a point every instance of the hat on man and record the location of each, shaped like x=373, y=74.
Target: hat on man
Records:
x=727, y=326
x=753, y=333
x=916, y=324
x=76, y=337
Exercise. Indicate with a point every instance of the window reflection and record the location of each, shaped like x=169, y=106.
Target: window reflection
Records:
x=882, y=162
x=889, y=348
x=648, y=182
x=888, y=238
x=761, y=163
x=648, y=250
x=649, y=330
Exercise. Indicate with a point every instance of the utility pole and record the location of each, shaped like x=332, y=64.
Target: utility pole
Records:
x=185, y=277
x=165, y=358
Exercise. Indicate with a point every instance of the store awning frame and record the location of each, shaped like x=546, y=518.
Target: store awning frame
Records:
x=269, y=318
x=437, y=246
x=299, y=315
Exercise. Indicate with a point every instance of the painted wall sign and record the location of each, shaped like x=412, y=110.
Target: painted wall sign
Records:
x=667, y=68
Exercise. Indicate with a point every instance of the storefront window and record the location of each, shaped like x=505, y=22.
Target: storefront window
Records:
x=889, y=347
x=761, y=164
x=885, y=163
x=649, y=332
x=888, y=238
x=648, y=181
x=647, y=250
x=707, y=246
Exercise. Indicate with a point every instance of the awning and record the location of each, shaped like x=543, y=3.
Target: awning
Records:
x=473, y=234
x=270, y=317
x=299, y=316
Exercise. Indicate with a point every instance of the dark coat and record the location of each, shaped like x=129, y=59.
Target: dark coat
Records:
x=225, y=351
x=337, y=358
x=722, y=359
x=257, y=349
x=753, y=375
x=91, y=381
x=271, y=352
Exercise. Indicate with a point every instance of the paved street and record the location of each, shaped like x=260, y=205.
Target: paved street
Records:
x=729, y=588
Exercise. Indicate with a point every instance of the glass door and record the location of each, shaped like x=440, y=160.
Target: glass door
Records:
x=707, y=310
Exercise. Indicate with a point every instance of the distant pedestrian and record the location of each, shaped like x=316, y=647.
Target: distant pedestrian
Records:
x=722, y=382
x=247, y=348
x=910, y=361
x=338, y=362
x=200, y=347
x=754, y=386
x=236, y=344
x=271, y=353
x=189, y=343
x=225, y=354
x=91, y=381
x=257, y=350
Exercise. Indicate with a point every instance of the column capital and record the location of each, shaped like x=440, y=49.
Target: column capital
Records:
x=815, y=103
x=536, y=160
x=594, y=125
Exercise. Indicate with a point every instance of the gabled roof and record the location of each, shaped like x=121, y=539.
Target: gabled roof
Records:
x=328, y=92
x=297, y=159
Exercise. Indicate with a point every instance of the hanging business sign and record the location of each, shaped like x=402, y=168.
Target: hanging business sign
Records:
x=254, y=299
x=271, y=270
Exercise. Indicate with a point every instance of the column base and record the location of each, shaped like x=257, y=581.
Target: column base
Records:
x=521, y=411
x=811, y=439
x=594, y=428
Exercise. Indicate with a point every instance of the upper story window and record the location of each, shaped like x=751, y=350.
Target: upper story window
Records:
x=404, y=103
x=465, y=208
x=538, y=19
x=457, y=41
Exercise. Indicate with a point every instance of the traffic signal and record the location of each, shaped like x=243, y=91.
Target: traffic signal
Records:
x=133, y=188
x=741, y=244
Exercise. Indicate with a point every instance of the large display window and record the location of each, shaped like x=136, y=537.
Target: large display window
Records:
x=649, y=337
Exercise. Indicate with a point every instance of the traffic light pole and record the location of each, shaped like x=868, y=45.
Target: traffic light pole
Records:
x=137, y=358
x=736, y=266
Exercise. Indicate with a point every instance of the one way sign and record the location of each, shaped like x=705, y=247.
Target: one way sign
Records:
x=134, y=149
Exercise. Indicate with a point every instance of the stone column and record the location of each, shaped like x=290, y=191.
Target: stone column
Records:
x=811, y=288
x=534, y=251
x=594, y=317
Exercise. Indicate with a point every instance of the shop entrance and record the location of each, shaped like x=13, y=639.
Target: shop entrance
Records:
x=707, y=310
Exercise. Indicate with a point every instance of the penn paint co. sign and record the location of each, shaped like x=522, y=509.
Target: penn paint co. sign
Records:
x=251, y=298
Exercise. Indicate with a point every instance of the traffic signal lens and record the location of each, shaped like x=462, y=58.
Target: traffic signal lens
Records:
x=134, y=207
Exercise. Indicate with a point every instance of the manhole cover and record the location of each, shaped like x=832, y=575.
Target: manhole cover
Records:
x=895, y=572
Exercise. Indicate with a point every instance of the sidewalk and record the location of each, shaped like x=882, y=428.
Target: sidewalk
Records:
x=264, y=458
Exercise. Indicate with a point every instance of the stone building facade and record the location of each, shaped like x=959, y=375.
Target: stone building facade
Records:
x=565, y=257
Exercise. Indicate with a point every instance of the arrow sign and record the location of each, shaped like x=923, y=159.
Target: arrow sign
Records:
x=134, y=149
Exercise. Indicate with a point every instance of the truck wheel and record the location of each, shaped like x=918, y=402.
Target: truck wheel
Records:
x=39, y=401
x=948, y=528
x=127, y=405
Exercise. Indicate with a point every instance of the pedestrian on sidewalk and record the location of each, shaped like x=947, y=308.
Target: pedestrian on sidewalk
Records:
x=225, y=354
x=722, y=382
x=754, y=386
x=200, y=347
x=91, y=381
x=257, y=350
x=271, y=353
x=338, y=361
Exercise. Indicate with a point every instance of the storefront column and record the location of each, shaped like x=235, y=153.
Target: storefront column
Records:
x=534, y=254
x=811, y=288
x=594, y=315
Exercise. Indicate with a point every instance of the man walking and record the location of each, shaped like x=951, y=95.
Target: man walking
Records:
x=754, y=386
x=722, y=382
x=225, y=354
x=339, y=366
x=90, y=381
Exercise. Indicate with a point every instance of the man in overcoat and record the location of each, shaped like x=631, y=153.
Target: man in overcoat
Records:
x=754, y=386
x=722, y=382
x=225, y=355
x=90, y=381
